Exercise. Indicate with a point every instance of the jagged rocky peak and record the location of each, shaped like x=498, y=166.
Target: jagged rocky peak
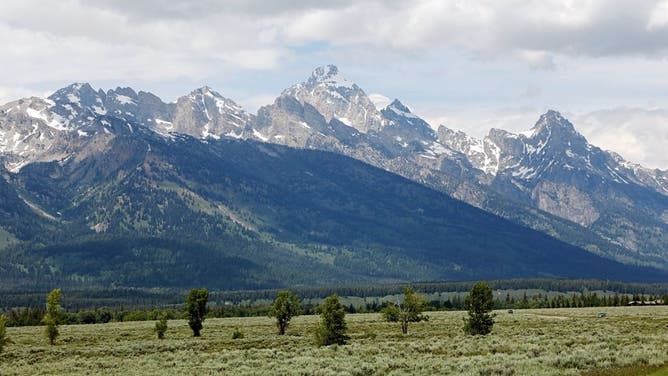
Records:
x=329, y=75
x=222, y=105
x=77, y=94
x=206, y=113
x=78, y=103
x=408, y=126
x=206, y=91
x=508, y=143
x=81, y=101
x=74, y=89
x=123, y=96
x=336, y=97
x=554, y=134
x=399, y=108
x=452, y=137
x=483, y=154
x=551, y=122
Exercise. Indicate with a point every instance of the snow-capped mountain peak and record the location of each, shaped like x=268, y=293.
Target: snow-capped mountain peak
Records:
x=79, y=94
x=329, y=75
x=205, y=113
x=123, y=96
x=205, y=91
x=336, y=97
x=78, y=104
x=400, y=109
x=205, y=96
x=550, y=122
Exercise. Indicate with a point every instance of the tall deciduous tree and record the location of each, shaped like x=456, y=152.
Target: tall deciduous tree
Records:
x=332, y=328
x=196, y=309
x=52, y=316
x=479, y=304
x=408, y=311
x=284, y=308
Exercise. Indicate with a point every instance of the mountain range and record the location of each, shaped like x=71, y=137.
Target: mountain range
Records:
x=121, y=188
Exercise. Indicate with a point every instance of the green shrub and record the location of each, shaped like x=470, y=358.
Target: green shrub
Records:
x=161, y=327
x=237, y=334
x=390, y=313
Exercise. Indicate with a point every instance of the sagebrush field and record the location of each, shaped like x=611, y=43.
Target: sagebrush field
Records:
x=527, y=342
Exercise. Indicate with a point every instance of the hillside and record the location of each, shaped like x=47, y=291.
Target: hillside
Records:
x=147, y=211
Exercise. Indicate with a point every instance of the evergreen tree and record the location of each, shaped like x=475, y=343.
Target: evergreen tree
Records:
x=284, y=308
x=525, y=300
x=161, y=326
x=196, y=309
x=52, y=317
x=332, y=328
x=479, y=303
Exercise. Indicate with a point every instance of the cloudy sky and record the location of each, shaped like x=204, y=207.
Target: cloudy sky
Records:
x=470, y=65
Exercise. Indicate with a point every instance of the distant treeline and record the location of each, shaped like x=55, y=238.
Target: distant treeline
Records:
x=553, y=285
x=33, y=316
x=137, y=298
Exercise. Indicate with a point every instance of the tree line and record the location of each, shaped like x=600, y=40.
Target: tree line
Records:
x=138, y=298
x=31, y=316
x=553, y=285
x=332, y=328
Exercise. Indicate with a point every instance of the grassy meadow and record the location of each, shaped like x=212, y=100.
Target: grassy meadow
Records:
x=629, y=341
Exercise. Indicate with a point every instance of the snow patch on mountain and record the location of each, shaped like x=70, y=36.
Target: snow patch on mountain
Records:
x=260, y=136
x=123, y=99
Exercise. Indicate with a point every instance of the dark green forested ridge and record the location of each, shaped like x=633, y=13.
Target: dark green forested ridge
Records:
x=151, y=212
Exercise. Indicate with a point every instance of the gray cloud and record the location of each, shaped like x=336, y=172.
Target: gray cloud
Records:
x=639, y=135
x=489, y=28
x=195, y=9
x=259, y=34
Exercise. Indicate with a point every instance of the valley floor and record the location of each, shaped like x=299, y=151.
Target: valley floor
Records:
x=527, y=342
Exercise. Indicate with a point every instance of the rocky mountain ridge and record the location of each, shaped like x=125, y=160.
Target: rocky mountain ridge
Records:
x=549, y=178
